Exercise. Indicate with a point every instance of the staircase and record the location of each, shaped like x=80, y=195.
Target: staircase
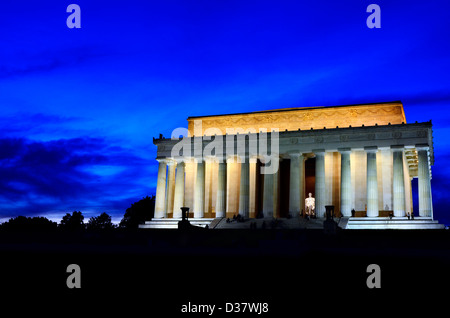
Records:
x=383, y=223
x=173, y=223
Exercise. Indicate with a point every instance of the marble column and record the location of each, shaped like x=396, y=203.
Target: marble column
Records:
x=253, y=195
x=268, y=199
x=179, y=189
x=160, y=200
x=221, y=199
x=209, y=167
x=295, y=184
x=346, y=182
x=320, y=182
x=244, y=188
x=372, y=183
x=425, y=205
x=276, y=193
x=398, y=182
x=170, y=189
x=302, y=183
x=199, y=191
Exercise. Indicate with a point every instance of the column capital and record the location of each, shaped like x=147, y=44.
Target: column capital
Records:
x=397, y=147
x=242, y=159
x=345, y=150
x=295, y=154
x=198, y=159
x=162, y=160
x=268, y=158
x=371, y=149
x=210, y=159
x=319, y=151
x=180, y=160
x=253, y=159
x=230, y=159
x=422, y=147
x=171, y=161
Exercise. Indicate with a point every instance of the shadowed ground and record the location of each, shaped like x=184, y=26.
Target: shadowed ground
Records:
x=160, y=270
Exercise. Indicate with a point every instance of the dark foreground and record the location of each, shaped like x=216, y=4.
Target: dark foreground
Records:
x=155, y=273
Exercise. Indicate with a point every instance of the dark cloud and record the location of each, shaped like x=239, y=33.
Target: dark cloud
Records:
x=30, y=124
x=54, y=175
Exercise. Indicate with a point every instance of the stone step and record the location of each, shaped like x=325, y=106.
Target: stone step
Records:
x=176, y=220
x=158, y=226
x=173, y=223
x=379, y=218
x=394, y=223
x=166, y=226
x=395, y=226
x=281, y=223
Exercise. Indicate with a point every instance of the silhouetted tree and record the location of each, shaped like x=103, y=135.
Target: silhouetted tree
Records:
x=29, y=224
x=138, y=213
x=72, y=222
x=101, y=222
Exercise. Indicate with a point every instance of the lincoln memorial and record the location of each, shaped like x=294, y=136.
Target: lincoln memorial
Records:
x=360, y=159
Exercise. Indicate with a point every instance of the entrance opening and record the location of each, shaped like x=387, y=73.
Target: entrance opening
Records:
x=415, y=196
x=283, y=189
x=310, y=177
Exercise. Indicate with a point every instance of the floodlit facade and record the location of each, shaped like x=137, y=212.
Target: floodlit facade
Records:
x=265, y=164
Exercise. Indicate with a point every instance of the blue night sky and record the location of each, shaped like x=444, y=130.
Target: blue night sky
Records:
x=79, y=107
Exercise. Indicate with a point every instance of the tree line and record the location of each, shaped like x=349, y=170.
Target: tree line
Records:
x=136, y=214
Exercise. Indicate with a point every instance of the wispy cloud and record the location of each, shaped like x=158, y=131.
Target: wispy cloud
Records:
x=43, y=61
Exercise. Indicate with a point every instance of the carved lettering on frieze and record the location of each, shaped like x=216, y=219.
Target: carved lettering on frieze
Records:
x=421, y=133
x=318, y=139
x=344, y=137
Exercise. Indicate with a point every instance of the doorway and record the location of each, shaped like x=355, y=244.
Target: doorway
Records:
x=310, y=177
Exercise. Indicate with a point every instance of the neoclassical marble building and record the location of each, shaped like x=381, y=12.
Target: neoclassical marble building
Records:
x=360, y=157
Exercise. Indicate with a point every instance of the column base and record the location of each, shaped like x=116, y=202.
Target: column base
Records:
x=158, y=215
x=230, y=214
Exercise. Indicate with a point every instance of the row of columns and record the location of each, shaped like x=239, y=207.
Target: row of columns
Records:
x=399, y=210
x=170, y=194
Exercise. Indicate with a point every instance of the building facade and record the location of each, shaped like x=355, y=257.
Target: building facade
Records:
x=354, y=157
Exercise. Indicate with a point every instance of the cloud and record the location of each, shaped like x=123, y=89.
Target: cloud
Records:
x=41, y=126
x=23, y=64
x=66, y=174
